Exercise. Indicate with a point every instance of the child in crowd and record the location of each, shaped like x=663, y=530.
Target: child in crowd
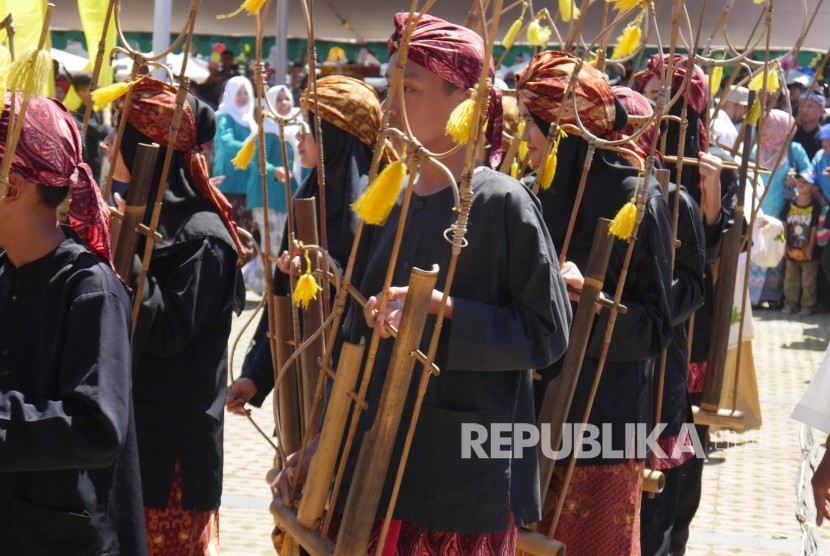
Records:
x=801, y=218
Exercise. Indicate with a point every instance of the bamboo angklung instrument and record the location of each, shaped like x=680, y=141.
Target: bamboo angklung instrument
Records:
x=125, y=229
x=710, y=407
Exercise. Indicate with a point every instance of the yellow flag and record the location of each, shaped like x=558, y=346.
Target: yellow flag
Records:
x=28, y=19
x=93, y=14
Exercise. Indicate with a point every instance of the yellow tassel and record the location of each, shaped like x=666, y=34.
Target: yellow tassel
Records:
x=628, y=42
x=623, y=224
x=757, y=81
x=510, y=37
x=625, y=5
x=375, y=204
x=759, y=1
x=538, y=35
x=460, y=123
x=514, y=170
x=549, y=171
x=245, y=155
x=307, y=286
x=568, y=10
x=715, y=80
x=250, y=6
x=110, y=93
x=30, y=72
x=754, y=113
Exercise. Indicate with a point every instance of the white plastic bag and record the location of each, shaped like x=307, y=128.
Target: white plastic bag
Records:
x=768, y=242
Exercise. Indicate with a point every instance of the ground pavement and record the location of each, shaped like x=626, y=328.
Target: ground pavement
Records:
x=749, y=498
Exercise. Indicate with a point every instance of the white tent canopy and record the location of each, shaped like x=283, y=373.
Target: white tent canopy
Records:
x=372, y=19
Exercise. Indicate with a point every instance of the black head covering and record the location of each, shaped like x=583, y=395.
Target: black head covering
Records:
x=185, y=214
x=347, y=162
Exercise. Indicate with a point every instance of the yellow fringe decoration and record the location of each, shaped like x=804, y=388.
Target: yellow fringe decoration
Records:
x=510, y=37
x=514, y=170
x=538, y=35
x=460, y=123
x=715, y=80
x=250, y=6
x=623, y=224
x=758, y=1
x=757, y=81
x=549, y=170
x=110, y=93
x=625, y=5
x=629, y=41
x=307, y=286
x=569, y=11
x=375, y=204
x=245, y=155
x=29, y=73
x=754, y=113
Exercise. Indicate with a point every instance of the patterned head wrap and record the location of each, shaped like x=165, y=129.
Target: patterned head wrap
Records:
x=49, y=152
x=636, y=105
x=349, y=104
x=455, y=54
x=541, y=87
x=151, y=113
x=695, y=94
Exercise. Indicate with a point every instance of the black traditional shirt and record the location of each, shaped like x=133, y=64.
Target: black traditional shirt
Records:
x=69, y=480
x=510, y=315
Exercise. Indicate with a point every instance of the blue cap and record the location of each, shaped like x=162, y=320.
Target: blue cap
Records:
x=824, y=132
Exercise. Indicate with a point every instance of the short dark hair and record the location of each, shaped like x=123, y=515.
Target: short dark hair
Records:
x=81, y=80
x=52, y=197
x=228, y=53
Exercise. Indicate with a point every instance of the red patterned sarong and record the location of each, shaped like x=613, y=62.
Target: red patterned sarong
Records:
x=174, y=531
x=602, y=510
x=407, y=539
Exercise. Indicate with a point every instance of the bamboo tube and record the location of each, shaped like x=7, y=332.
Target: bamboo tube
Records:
x=287, y=394
x=126, y=238
x=537, y=544
x=376, y=449
x=306, y=217
x=653, y=481
x=669, y=159
x=556, y=404
x=310, y=540
x=321, y=470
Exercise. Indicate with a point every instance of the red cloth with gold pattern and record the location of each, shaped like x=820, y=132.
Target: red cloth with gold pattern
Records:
x=174, y=531
x=407, y=539
x=602, y=509
x=455, y=54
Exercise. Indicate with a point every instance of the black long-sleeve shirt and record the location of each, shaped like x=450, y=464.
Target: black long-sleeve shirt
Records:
x=69, y=481
x=181, y=369
x=510, y=315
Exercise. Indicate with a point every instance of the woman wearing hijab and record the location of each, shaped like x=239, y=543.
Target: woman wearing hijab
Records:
x=180, y=343
x=767, y=284
x=606, y=488
x=234, y=125
x=350, y=117
x=276, y=177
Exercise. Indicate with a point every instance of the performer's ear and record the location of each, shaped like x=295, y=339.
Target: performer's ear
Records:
x=16, y=182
